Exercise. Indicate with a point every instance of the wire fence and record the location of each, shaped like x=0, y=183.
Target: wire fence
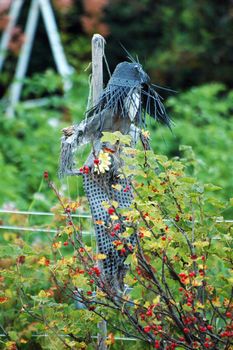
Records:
x=43, y=214
x=46, y=230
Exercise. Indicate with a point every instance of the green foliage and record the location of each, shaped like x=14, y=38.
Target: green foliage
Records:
x=30, y=142
x=180, y=268
x=202, y=120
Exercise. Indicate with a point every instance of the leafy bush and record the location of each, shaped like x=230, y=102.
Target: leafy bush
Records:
x=180, y=277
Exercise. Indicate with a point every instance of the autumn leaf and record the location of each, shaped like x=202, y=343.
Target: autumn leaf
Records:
x=100, y=257
x=110, y=340
x=3, y=300
x=99, y=222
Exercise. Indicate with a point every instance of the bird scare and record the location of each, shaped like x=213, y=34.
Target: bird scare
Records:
x=124, y=105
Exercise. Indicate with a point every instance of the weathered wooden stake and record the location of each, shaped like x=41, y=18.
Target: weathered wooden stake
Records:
x=98, y=43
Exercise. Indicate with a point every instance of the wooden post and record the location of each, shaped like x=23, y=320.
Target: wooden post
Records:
x=98, y=43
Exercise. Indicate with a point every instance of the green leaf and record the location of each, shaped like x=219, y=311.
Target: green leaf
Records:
x=190, y=180
x=211, y=187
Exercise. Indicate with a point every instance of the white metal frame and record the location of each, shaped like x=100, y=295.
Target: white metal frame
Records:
x=63, y=68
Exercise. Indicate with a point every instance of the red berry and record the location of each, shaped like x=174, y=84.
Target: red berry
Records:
x=163, y=238
x=203, y=258
x=65, y=243
x=46, y=175
x=81, y=250
x=96, y=270
x=89, y=292
x=91, y=308
x=149, y=313
x=194, y=257
x=86, y=169
x=96, y=161
x=186, y=330
x=177, y=218
x=228, y=314
x=91, y=281
x=157, y=344
x=147, y=329
x=112, y=234
x=21, y=259
x=67, y=209
x=47, y=262
x=209, y=327
x=192, y=274
x=111, y=211
x=117, y=227
x=123, y=251
x=202, y=329
x=126, y=189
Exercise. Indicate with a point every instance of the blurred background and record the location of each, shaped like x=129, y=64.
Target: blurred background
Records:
x=185, y=45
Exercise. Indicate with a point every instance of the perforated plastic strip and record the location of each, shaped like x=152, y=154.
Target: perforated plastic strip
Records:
x=98, y=189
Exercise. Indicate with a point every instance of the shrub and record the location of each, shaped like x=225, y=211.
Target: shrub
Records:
x=180, y=277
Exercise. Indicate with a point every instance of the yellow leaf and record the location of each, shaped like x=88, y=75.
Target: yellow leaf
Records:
x=134, y=258
x=42, y=294
x=43, y=261
x=114, y=217
x=125, y=234
x=68, y=230
x=200, y=305
x=23, y=341
x=105, y=204
x=100, y=257
x=117, y=187
x=155, y=245
x=110, y=340
x=100, y=294
x=57, y=245
x=156, y=300
x=201, y=244
x=147, y=233
x=115, y=204
x=146, y=133
x=196, y=283
x=216, y=302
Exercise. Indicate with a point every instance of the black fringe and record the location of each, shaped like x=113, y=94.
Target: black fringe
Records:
x=114, y=97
